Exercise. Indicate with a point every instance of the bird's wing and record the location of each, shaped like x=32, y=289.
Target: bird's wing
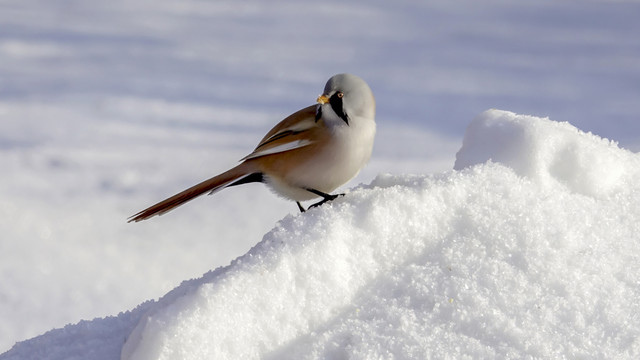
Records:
x=293, y=132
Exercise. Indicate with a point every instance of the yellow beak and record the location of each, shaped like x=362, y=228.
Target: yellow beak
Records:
x=323, y=99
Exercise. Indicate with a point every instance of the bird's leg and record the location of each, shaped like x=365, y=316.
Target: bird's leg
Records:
x=326, y=197
x=300, y=207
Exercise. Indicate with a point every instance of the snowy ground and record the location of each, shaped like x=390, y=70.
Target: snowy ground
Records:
x=533, y=254
x=108, y=107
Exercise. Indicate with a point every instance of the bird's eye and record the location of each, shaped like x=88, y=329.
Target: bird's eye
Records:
x=338, y=107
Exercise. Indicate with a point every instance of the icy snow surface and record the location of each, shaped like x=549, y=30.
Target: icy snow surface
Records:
x=523, y=250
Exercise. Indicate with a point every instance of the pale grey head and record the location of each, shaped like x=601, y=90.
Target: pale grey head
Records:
x=349, y=97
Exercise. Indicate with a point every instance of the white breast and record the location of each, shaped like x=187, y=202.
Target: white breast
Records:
x=338, y=162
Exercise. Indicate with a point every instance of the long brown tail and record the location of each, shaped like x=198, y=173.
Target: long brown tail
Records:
x=210, y=185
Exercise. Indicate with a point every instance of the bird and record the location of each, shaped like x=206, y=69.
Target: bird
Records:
x=307, y=155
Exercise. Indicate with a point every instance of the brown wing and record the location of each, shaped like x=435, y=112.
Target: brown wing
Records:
x=291, y=133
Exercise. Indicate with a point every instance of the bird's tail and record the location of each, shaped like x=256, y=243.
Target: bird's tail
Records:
x=233, y=176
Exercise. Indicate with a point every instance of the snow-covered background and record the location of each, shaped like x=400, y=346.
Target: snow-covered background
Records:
x=106, y=107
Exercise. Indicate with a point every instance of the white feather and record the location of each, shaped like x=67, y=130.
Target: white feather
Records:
x=280, y=148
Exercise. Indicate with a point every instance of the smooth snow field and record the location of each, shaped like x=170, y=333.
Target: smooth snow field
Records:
x=471, y=233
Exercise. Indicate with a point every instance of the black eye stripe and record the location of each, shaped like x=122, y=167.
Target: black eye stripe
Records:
x=338, y=107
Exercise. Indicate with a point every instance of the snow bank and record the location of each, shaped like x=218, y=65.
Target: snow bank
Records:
x=532, y=254
x=489, y=261
x=547, y=152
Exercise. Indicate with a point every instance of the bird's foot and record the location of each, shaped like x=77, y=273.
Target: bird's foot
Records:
x=325, y=198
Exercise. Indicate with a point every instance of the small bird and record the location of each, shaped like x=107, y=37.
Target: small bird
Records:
x=307, y=155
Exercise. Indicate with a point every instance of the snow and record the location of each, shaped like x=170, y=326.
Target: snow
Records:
x=503, y=257
x=588, y=167
x=108, y=107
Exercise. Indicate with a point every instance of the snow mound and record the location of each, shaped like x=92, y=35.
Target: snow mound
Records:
x=496, y=260
x=528, y=249
x=547, y=152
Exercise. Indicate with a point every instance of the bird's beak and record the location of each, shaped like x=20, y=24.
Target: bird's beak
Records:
x=322, y=99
